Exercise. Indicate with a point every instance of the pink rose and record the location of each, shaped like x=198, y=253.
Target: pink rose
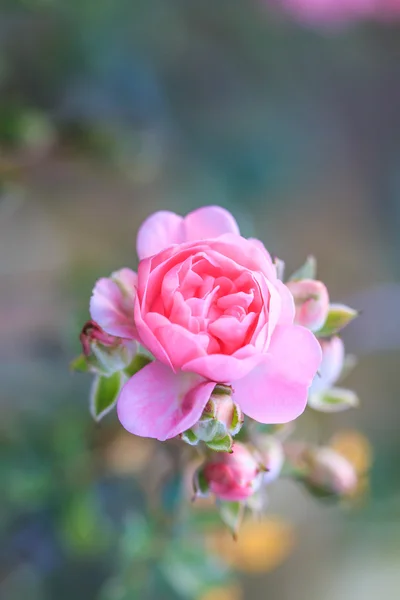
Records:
x=312, y=302
x=209, y=306
x=232, y=476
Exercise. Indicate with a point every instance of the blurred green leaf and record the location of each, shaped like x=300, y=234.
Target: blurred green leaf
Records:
x=338, y=317
x=333, y=400
x=306, y=271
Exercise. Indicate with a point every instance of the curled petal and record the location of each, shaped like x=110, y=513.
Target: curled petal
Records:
x=158, y=403
x=112, y=303
x=276, y=390
x=159, y=231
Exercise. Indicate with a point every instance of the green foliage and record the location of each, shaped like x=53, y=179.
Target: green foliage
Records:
x=338, y=317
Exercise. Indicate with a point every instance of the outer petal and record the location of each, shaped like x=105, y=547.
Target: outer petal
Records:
x=209, y=222
x=160, y=404
x=223, y=368
x=159, y=231
x=112, y=303
x=276, y=390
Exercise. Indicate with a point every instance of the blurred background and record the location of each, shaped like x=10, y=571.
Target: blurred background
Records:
x=110, y=110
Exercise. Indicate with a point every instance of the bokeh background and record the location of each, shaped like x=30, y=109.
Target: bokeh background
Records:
x=110, y=110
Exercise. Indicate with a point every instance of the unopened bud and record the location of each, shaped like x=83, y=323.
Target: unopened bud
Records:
x=230, y=476
x=105, y=353
x=311, y=301
x=329, y=472
x=221, y=419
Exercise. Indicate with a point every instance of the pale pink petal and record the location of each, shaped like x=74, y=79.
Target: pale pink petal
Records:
x=223, y=368
x=276, y=390
x=286, y=316
x=160, y=404
x=331, y=366
x=209, y=222
x=159, y=231
x=112, y=303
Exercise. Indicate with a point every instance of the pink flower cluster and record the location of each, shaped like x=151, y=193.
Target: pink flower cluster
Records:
x=209, y=307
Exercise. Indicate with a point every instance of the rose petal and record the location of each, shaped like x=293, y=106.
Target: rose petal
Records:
x=159, y=231
x=223, y=368
x=276, y=390
x=209, y=222
x=158, y=403
x=112, y=303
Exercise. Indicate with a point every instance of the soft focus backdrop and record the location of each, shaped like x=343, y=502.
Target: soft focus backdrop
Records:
x=110, y=110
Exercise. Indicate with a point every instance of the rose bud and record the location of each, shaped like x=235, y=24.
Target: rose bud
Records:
x=220, y=421
x=328, y=472
x=311, y=301
x=230, y=476
x=105, y=353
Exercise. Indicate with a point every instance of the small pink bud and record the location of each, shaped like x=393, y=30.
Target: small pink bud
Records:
x=231, y=476
x=92, y=332
x=105, y=353
x=311, y=301
x=330, y=472
x=221, y=419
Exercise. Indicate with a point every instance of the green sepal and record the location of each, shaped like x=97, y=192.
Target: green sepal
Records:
x=221, y=444
x=80, y=363
x=231, y=514
x=140, y=361
x=338, y=317
x=200, y=484
x=104, y=393
x=307, y=271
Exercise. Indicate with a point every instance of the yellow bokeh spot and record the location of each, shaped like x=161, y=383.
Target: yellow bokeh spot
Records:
x=128, y=454
x=261, y=545
x=354, y=446
x=231, y=592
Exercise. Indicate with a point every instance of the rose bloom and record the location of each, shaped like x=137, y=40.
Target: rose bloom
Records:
x=233, y=477
x=208, y=305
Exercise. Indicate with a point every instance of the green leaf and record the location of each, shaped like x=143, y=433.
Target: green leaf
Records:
x=338, y=317
x=222, y=444
x=232, y=515
x=306, y=271
x=80, y=364
x=333, y=400
x=104, y=393
x=137, y=364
